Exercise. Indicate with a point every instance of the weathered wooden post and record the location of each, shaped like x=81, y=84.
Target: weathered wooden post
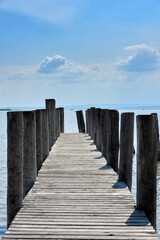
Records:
x=45, y=134
x=104, y=133
x=158, y=143
x=90, y=121
x=50, y=106
x=14, y=164
x=126, y=148
x=61, y=119
x=101, y=128
x=147, y=165
x=29, y=150
x=93, y=123
x=58, y=122
x=87, y=119
x=98, y=128
x=113, y=139
x=80, y=121
x=94, y=126
x=39, y=139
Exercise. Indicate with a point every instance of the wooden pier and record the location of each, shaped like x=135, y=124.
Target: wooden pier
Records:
x=76, y=196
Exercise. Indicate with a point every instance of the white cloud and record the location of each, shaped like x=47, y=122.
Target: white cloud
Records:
x=145, y=59
x=59, y=64
x=50, y=64
x=57, y=11
x=140, y=47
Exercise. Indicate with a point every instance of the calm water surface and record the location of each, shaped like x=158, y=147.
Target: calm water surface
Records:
x=70, y=126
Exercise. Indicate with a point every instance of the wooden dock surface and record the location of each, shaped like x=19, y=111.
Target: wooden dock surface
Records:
x=76, y=196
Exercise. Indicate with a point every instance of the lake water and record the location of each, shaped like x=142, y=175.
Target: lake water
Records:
x=70, y=126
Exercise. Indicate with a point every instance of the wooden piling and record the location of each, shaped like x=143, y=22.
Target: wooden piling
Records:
x=104, y=133
x=14, y=164
x=45, y=134
x=158, y=142
x=58, y=122
x=126, y=148
x=98, y=128
x=92, y=123
x=87, y=120
x=39, y=139
x=29, y=150
x=61, y=119
x=113, y=139
x=50, y=106
x=147, y=165
x=80, y=121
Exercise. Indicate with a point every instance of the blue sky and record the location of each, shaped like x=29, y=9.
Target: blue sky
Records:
x=79, y=52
